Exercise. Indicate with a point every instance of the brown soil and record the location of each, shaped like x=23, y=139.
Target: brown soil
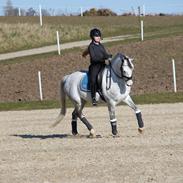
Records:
x=31, y=152
x=153, y=70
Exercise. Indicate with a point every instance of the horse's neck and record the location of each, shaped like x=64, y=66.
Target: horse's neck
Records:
x=113, y=87
x=110, y=76
x=113, y=75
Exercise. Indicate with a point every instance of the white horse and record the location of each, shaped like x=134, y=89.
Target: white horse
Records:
x=115, y=87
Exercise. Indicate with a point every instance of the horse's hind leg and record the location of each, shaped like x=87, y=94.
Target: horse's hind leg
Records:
x=79, y=109
x=131, y=104
x=74, y=122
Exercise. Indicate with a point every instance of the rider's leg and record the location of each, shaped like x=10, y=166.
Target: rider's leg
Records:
x=93, y=75
x=94, y=69
x=128, y=100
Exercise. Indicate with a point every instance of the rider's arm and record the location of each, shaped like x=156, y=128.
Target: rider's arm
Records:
x=106, y=55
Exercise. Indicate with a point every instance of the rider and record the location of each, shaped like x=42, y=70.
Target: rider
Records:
x=98, y=55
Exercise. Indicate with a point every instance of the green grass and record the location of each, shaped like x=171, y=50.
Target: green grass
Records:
x=138, y=99
x=28, y=105
x=136, y=38
x=156, y=98
x=20, y=33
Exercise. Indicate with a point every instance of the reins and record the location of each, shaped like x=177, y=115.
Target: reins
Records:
x=122, y=76
x=121, y=69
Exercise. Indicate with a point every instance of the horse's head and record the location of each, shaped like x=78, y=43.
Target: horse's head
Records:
x=123, y=67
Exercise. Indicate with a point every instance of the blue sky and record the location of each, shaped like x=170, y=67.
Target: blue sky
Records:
x=120, y=6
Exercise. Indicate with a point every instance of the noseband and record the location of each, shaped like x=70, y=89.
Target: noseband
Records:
x=122, y=71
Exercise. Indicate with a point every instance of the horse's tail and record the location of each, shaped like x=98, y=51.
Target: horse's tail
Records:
x=63, y=104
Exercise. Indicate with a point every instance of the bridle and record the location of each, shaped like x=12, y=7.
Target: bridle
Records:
x=122, y=76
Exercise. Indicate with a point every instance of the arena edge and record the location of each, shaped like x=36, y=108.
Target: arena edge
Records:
x=153, y=98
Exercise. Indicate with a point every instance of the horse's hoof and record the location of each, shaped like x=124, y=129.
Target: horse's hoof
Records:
x=141, y=130
x=114, y=132
x=115, y=136
x=75, y=134
x=92, y=134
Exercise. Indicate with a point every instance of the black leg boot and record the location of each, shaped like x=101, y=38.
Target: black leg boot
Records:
x=74, y=124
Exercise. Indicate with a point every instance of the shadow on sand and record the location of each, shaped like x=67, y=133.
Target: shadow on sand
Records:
x=52, y=136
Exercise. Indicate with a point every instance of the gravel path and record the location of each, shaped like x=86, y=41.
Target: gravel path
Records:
x=47, y=49
x=31, y=152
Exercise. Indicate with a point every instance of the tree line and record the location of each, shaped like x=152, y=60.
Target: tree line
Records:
x=10, y=10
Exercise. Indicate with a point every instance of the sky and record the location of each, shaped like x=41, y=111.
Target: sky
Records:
x=119, y=6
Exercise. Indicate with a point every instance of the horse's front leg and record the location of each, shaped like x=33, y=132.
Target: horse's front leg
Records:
x=113, y=120
x=131, y=104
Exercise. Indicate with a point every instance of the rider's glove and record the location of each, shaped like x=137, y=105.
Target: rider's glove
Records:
x=110, y=56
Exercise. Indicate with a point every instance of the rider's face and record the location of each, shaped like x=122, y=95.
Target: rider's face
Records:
x=97, y=39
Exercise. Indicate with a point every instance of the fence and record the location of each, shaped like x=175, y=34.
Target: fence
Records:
x=19, y=10
x=39, y=11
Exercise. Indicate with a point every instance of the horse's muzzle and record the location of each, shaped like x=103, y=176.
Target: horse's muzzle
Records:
x=129, y=83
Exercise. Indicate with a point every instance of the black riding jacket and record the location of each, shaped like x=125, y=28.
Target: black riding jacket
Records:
x=97, y=53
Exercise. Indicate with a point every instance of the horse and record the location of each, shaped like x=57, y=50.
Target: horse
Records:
x=116, y=83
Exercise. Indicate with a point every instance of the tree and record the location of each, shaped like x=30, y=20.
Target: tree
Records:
x=31, y=12
x=45, y=12
x=106, y=12
x=99, y=12
x=8, y=9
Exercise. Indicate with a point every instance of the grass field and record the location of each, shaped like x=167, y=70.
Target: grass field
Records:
x=50, y=104
x=19, y=33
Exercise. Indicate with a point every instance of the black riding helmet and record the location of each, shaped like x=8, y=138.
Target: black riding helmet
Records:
x=95, y=33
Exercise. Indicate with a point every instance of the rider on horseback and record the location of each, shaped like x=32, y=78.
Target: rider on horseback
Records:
x=98, y=55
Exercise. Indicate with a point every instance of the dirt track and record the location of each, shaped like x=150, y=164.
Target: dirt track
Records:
x=30, y=152
x=152, y=74
x=47, y=49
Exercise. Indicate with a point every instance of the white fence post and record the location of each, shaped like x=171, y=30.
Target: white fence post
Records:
x=58, y=42
x=40, y=16
x=40, y=86
x=81, y=9
x=19, y=12
x=174, y=76
x=142, y=29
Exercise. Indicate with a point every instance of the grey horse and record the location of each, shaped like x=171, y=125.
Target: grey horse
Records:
x=116, y=85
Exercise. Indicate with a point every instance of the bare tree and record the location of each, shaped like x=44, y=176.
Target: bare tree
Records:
x=31, y=12
x=45, y=12
x=9, y=10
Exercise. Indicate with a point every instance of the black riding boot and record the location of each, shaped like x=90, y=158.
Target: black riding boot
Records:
x=94, y=102
x=93, y=94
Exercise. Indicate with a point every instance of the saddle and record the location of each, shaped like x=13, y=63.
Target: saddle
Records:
x=85, y=83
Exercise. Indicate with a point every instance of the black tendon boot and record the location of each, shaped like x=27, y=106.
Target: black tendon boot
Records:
x=114, y=128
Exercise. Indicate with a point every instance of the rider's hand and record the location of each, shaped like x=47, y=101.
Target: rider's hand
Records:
x=107, y=62
x=110, y=56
